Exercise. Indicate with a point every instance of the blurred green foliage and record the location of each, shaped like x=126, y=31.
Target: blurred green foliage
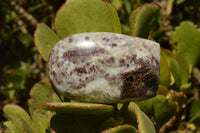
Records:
x=175, y=108
x=20, y=64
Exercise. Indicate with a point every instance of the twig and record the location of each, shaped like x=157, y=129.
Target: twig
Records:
x=170, y=123
x=24, y=14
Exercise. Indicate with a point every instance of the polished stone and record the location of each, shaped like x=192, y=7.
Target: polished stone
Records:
x=104, y=67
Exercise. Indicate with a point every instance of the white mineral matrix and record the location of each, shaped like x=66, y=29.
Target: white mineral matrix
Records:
x=103, y=67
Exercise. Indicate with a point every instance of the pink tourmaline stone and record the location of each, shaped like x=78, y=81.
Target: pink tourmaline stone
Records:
x=104, y=67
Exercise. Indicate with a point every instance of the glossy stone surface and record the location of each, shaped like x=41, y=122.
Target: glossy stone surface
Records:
x=103, y=67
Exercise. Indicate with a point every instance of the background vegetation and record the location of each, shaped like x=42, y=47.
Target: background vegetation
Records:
x=21, y=66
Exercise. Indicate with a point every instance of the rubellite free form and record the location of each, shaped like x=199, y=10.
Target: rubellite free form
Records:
x=103, y=67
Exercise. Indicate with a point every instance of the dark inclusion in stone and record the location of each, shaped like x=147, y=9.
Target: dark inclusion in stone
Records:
x=136, y=82
x=104, y=67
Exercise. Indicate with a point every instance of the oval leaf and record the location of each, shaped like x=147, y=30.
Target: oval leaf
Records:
x=133, y=112
x=76, y=16
x=195, y=112
x=121, y=129
x=146, y=106
x=10, y=126
x=20, y=119
x=184, y=68
x=176, y=72
x=162, y=90
x=187, y=37
x=164, y=109
x=78, y=108
x=164, y=72
x=141, y=17
x=167, y=55
x=45, y=38
x=41, y=117
x=145, y=125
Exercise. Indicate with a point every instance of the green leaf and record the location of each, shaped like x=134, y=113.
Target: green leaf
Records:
x=9, y=125
x=145, y=125
x=128, y=5
x=76, y=16
x=7, y=131
x=146, y=106
x=162, y=90
x=45, y=39
x=184, y=68
x=195, y=112
x=164, y=109
x=188, y=40
x=19, y=118
x=164, y=72
x=41, y=93
x=25, y=39
x=47, y=95
x=117, y=3
x=79, y=108
x=113, y=120
x=141, y=17
x=198, y=130
x=167, y=55
x=184, y=72
x=186, y=87
x=17, y=77
x=178, y=97
x=176, y=72
x=178, y=2
x=180, y=71
x=132, y=112
x=121, y=129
